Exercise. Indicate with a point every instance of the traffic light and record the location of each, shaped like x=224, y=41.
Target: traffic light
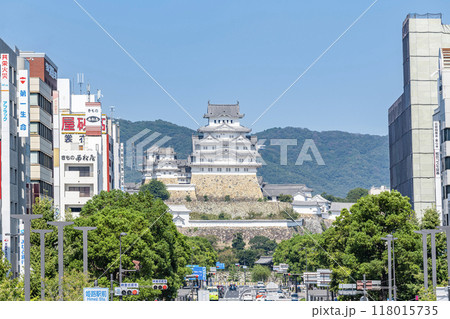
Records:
x=160, y=287
x=130, y=292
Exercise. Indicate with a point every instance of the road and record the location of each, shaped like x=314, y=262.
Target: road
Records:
x=233, y=295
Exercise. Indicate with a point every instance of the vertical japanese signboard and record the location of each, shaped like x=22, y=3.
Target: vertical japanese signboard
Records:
x=24, y=108
x=93, y=119
x=21, y=249
x=437, y=166
x=5, y=155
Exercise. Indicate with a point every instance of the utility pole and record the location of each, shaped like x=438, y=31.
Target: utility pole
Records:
x=393, y=266
x=364, y=287
x=60, y=226
x=112, y=287
x=389, y=238
x=120, y=262
x=305, y=276
x=26, y=232
x=447, y=233
x=425, y=256
x=42, y=233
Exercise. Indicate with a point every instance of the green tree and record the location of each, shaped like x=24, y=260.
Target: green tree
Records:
x=263, y=243
x=10, y=289
x=202, y=252
x=285, y=198
x=238, y=242
x=355, y=194
x=260, y=273
x=151, y=238
x=73, y=283
x=354, y=245
x=43, y=206
x=301, y=250
x=430, y=219
x=248, y=256
x=227, y=256
x=157, y=189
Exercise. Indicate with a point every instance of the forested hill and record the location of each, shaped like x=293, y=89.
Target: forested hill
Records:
x=351, y=160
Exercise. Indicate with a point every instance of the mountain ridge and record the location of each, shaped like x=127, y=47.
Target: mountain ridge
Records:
x=351, y=159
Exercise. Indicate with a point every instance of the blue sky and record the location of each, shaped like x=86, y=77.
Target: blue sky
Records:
x=225, y=51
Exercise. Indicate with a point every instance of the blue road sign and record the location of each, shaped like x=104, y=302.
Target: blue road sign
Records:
x=95, y=294
x=220, y=265
x=200, y=271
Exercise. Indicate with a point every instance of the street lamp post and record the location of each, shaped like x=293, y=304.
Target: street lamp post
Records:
x=60, y=226
x=389, y=238
x=447, y=233
x=425, y=256
x=120, y=261
x=42, y=233
x=433, y=233
x=26, y=232
x=85, y=248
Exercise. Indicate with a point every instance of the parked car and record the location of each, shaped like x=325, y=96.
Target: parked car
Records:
x=294, y=297
x=247, y=297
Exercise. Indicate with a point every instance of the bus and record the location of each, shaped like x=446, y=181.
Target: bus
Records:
x=213, y=294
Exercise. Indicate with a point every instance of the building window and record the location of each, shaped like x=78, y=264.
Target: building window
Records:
x=85, y=191
x=245, y=169
x=84, y=171
x=219, y=169
x=34, y=128
x=236, y=169
x=202, y=169
x=210, y=169
x=228, y=169
x=37, y=157
x=43, y=103
x=42, y=130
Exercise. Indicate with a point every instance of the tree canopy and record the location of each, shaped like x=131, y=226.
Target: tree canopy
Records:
x=353, y=246
x=157, y=188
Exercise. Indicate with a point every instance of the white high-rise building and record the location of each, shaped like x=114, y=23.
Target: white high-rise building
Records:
x=441, y=136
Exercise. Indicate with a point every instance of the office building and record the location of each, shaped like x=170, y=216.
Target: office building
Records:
x=15, y=148
x=43, y=82
x=441, y=137
x=411, y=151
x=87, y=156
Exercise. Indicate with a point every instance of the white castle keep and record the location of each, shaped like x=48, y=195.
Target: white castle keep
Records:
x=223, y=163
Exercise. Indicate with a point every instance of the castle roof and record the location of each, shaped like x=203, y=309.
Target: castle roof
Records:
x=223, y=110
x=224, y=127
x=273, y=190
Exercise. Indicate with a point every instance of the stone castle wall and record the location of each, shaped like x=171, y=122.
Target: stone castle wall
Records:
x=169, y=180
x=238, y=209
x=179, y=196
x=225, y=235
x=216, y=187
